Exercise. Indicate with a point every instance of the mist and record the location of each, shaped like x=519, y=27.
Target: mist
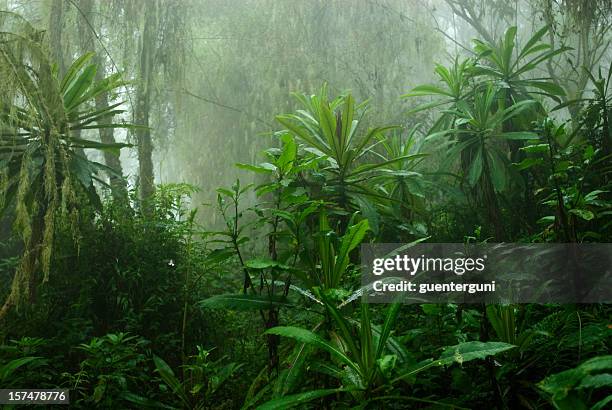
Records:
x=204, y=204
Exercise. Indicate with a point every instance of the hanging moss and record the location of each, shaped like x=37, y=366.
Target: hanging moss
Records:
x=46, y=178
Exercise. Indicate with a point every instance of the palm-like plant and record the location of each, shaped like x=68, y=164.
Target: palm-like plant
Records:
x=43, y=165
x=508, y=66
x=454, y=87
x=366, y=359
x=511, y=70
x=402, y=181
x=482, y=146
x=364, y=355
x=330, y=129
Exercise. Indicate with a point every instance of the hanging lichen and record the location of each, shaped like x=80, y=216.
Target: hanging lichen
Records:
x=46, y=179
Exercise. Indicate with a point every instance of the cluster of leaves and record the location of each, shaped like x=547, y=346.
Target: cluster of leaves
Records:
x=495, y=126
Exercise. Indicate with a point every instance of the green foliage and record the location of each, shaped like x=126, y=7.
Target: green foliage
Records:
x=112, y=364
x=333, y=254
x=574, y=388
x=330, y=129
x=288, y=402
x=508, y=65
x=244, y=302
x=203, y=378
x=44, y=167
x=270, y=300
x=481, y=139
x=7, y=370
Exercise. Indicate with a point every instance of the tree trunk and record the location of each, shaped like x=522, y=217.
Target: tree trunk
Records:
x=55, y=35
x=117, y=181
x=143, y=101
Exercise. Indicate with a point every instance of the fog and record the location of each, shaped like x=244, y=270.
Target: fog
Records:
x=211, y=75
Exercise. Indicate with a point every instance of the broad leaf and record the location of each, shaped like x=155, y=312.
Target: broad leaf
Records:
x=244, y=302
x=289, y=402
x=464, y=352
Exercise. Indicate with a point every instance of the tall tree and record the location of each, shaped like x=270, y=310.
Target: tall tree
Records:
x=147, y=47
x=585, y=26
x=87, y=44
x=56, y=18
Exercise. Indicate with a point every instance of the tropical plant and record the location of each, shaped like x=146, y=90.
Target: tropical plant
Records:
x=367, y=361
x=577, y=175
x=43, y=164
x=329, y=264
x=455, y=87
x=582, y=387
x=595, y=119
x=509, y=66
x=330, y=130
x=112, y=364
x=203, y=378
x=405, y=186
x=8, y=377
x=480, y=148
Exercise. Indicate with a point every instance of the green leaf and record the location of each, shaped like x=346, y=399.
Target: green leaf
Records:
x=568, y=103
x=417, y=368
x=353, y=237
x=9, y=368
x=290, y=378
x=244, y=302
x=99, y=390
x=105, y=85
x=302, y=133
x=293, y=400
x=498, y=171
x=83, y=143
x=371, y=167
x=508, y=46
x=74, y=69
x=548, y=87
x=426, y=106
x=264, y=168
x=261, y=263
x=528, y=163
x=144, y=402
x=288, y=154
x=582, y=213
x=596, y=381
x=464, y=352
x=600, y=405
x=529, y=46
x=79, y=86
x=170, y=379
x=562, y=385
x=385, y=332
x=546, y=219
x=386, y=364
x=306, y=336
x=537, y=148
x=426, y=89
x=519, y=135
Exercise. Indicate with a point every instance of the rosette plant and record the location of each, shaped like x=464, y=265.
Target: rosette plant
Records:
x=332, y=131
x=45, y=172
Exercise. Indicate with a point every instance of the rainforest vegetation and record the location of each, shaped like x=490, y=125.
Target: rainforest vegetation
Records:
x=185, y=186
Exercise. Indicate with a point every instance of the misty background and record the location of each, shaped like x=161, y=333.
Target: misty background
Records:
x=209, y=76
